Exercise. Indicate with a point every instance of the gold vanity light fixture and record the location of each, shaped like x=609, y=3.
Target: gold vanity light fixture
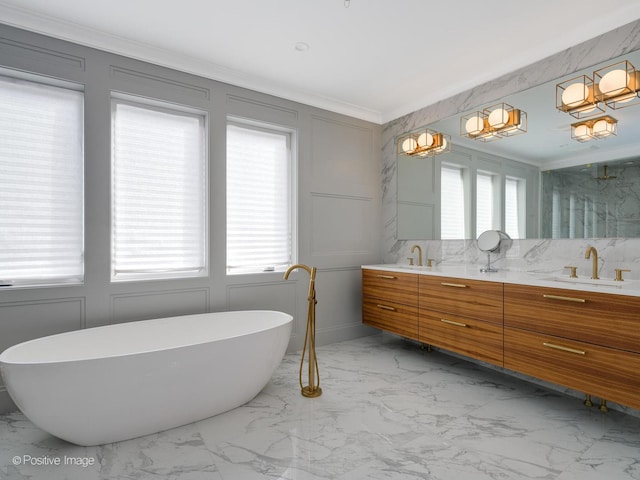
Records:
x=493, y=123
x=595, y=128
x=618, y=85
x=577, y=97
x=424, y=143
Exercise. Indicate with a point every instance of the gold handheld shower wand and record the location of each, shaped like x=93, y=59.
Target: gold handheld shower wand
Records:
x=313, y=388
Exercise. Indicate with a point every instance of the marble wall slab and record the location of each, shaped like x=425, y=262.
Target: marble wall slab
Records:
x=586, y=204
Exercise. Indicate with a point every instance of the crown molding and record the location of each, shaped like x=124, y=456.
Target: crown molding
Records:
x=73, y=32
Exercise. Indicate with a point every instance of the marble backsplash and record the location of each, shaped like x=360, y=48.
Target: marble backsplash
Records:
x=535, y=256
x=529, y=255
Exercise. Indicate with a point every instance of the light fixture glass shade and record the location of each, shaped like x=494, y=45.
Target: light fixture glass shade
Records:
x=498, y=118
x=473, y=124
x=424, y=143
x=577, y=97
x=614, y=83
x=581, y=132
x=409, y=144
x=604, y=127
x=593, y=129
x=425, y=140
x=618, y=85
x=442, y=144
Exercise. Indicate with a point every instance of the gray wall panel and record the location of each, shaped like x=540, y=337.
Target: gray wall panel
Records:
x=144, y=306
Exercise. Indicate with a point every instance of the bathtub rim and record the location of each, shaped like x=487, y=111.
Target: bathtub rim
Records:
x=6, y=360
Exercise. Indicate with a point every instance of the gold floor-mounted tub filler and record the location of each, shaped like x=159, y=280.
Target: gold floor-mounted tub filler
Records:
x=312, y=389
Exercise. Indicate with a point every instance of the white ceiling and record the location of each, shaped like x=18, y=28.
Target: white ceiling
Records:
x=375, y=60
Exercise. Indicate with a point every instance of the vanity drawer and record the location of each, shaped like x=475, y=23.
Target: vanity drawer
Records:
x=604, y=372
x=391, y=286
x=467, y=336
x=389, y=316
x=599, y=318
x=463, y=297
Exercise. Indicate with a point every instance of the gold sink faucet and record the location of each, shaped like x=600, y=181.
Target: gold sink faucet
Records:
x=419, y=253
x=594, y=270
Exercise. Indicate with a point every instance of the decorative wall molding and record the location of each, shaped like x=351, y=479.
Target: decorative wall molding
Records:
x=127, y=74
x=239, y=104
x=25, y=51
x=157, y=304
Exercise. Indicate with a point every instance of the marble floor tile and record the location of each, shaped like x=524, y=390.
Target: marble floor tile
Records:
x=389, y=410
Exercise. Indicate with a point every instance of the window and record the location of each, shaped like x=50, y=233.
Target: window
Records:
x=259, y=198
x=485, y=203
x=158, y=188
x=41, y=173
x=452, y=217
x=514, y=207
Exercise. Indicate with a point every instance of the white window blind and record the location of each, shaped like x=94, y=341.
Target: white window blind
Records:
x=259, y=185
x=158, y=218
x=41, y=178
x=514, y=208
x=452, y=219
x=484, y=202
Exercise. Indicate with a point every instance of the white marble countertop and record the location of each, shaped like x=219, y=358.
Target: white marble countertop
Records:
x=585, y=284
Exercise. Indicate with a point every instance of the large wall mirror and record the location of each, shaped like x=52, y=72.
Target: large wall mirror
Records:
x=560, y=187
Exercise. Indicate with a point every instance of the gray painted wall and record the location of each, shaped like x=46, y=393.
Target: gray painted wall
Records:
x=339, y=205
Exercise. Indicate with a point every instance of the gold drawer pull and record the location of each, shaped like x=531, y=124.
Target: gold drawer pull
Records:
x=566, y=299
x=384, y=307
x=457, y=285
x=564, y=349
x=451, y=322
x=389, y=277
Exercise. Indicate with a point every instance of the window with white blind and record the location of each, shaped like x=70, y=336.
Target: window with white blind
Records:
x=485, y=203
x=514, y=207
x=41, y=174
x=158, y=191
x=452, y=210
x=259, y=198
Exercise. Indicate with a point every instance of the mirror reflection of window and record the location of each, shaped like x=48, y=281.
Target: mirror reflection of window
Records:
x=515, y=207
x=452, y=203
x=486, y=218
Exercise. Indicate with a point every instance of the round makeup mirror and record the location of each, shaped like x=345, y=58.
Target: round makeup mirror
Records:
x=489, y=241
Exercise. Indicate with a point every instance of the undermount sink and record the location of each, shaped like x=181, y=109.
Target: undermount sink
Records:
x=443, y=269
x=590, y=281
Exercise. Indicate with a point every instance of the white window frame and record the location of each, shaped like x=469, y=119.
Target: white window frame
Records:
x=291, y=136
x=162, y=272
x=73, y=272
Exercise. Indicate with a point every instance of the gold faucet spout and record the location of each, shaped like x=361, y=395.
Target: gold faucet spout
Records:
x=419, y=253
x=593, y=253
x=295, y=267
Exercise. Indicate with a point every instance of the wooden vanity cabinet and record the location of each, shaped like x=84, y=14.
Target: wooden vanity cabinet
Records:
x=390, y=302
x=463, y=316
x=587, y=341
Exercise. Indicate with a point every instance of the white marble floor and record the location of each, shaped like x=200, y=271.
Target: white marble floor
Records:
x=388, y=411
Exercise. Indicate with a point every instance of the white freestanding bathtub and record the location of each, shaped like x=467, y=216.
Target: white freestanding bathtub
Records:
x=112, y=383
